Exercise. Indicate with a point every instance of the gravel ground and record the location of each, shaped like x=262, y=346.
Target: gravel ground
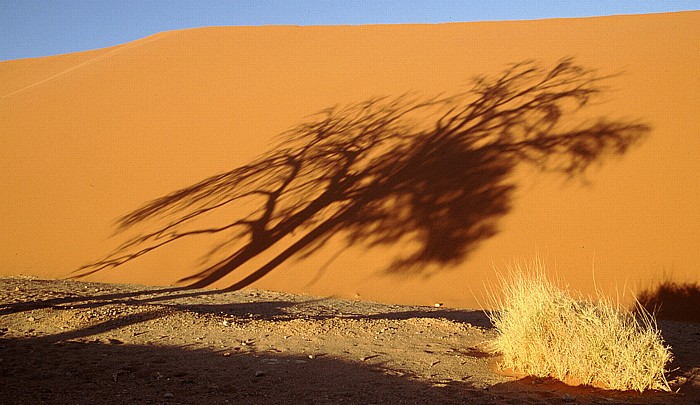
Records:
x=87, y=343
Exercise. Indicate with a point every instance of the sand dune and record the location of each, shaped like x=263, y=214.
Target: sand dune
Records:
x=92, y=136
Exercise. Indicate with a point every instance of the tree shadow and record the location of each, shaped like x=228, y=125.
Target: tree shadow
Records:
x=436, y=173
x=672, y=301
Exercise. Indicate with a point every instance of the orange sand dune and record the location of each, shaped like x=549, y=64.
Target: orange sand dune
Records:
x=89, y=137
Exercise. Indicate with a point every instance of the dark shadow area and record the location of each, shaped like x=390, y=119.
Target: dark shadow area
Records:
x=97, y=372
x=433, y=172
x=673, y=301
x=102, y=372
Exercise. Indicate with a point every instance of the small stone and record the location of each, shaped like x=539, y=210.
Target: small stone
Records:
x=31, y=319
x=169, y=395
x=259, y=373
x=226, y=354
x=311, y=356
x=226, y=322
x=437, y=304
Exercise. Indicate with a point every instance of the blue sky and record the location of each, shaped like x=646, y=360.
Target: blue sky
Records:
x=31, y=28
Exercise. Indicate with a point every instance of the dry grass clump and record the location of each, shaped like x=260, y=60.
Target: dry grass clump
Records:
x=544, y=332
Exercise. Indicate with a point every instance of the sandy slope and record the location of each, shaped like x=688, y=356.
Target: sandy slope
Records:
x=70, y=342
x=89, y=137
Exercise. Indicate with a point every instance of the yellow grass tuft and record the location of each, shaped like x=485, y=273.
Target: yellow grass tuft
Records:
x=544, y=332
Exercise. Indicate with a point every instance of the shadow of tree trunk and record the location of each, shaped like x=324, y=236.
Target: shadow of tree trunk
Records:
x=436, y=170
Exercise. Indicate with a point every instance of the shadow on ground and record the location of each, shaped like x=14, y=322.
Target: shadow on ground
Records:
x=100, y=372
x=96, y=372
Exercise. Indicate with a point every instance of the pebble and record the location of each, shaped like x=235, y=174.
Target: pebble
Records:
x=169, y=395
x=259, y=373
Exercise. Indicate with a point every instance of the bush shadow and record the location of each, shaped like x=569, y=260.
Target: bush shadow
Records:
x=436, y=173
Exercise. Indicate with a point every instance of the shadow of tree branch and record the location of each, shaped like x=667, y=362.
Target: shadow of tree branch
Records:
x=436, y=171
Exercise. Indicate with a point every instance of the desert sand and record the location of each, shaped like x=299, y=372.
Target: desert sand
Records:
x=90, y=137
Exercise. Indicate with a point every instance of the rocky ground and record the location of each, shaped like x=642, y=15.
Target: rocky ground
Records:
x=85, y=343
